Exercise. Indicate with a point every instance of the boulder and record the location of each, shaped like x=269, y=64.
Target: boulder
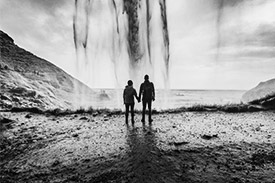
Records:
x=255, y=108
x=18, y=90
x=15, y=99
x=263, y=94
x=4, y=97
x=31, y=93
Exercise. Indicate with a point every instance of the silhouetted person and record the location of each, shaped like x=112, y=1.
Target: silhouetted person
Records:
x=147, y=91
x=128, y=96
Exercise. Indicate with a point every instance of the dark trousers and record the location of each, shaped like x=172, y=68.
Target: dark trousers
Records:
x=127, y=107
x=149, y=103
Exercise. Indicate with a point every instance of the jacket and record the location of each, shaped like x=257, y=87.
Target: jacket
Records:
x=147, y=91
x=128, y=95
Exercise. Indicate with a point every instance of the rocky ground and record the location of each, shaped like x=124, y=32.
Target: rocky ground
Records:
x=183, y=147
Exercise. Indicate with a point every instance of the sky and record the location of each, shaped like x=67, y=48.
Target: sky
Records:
x=214, y=44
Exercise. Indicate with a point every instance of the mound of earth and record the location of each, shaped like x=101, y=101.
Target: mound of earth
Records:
x=263, y=94
x=29, y=81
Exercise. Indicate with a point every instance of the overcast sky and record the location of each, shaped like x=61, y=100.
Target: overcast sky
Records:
x=243, y=29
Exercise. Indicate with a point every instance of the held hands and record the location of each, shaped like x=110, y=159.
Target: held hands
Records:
x=138, y=99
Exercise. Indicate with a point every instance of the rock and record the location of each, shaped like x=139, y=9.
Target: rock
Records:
x=75, y=135
x=178, y=143
x=55, y=163
x=258, y=128
x=209, y=137
x=254, y=108
x=6, y=104
x=86, y=160
x=3, y=97
x=18, y=69
x=15, y=99
x=6, y=67
x=18, y=90
x=269, y=102
x=5, y=120
x=263, y=94
x=83, y=118
x=28, y=116
x=31, y=93
x=36, y=101
x=5, y=123
x=210, y=108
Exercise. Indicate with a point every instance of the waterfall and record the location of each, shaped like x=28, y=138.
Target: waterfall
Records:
x=130, y=36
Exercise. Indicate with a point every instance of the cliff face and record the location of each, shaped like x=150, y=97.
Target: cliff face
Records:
x=263, y=94
x=29, y=81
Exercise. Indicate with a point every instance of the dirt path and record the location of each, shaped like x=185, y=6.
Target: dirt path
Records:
x=184, y=147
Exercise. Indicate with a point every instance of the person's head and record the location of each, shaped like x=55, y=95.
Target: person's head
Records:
x=130, y=83
x=146, y=77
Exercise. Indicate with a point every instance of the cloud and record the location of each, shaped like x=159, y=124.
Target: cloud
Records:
x=43, y=27
x=264, y=36
x=257, y=53
x=235, y=3
x=48, y=6
x=31, y=16
x=257, y=43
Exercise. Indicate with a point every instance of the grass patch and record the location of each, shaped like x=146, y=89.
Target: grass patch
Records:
x=90, y=110
x=230, y=108
x=27, y=109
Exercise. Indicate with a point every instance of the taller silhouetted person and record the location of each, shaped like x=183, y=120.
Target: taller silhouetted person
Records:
x=147, y=91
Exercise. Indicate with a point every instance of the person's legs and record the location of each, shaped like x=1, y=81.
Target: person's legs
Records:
x=132, y=112
x=126, y=112
x=150, y=111
x=143, y=111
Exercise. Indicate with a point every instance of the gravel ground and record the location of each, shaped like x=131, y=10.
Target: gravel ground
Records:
x=183, y=147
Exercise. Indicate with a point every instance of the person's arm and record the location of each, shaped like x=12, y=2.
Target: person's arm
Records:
x=124, y=96
x=153, y=92
x=135, y=94
x=140, y=91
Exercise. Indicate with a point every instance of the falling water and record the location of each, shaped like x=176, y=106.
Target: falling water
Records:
x=131, y=35
x=220, y=6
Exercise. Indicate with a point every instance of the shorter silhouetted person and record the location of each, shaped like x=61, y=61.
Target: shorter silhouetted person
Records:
x=147, y=91
x=128, y=96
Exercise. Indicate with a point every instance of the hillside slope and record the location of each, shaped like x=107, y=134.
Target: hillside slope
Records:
x=29, y=81
x=263, y=94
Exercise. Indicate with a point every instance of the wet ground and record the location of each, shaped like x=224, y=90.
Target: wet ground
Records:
x=184, y=147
